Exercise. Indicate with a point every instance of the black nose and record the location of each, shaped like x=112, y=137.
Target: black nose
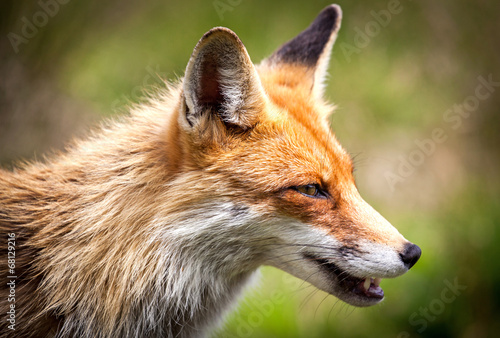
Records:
x=410, y=255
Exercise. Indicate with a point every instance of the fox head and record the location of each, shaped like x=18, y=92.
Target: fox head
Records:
x=260, y=140
x=153, y=225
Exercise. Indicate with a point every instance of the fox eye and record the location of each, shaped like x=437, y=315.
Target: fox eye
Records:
x=311, y=190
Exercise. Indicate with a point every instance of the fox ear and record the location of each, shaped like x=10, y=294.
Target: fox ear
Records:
x=311, y=49
x=221, y=82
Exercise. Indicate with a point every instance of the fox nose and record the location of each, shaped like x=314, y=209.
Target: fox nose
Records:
x=410, y=255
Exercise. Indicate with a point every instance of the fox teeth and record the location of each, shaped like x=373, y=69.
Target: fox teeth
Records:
x=367, y=283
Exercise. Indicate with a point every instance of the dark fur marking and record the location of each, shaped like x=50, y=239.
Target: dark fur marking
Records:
x=239, y=211
x=353, y=251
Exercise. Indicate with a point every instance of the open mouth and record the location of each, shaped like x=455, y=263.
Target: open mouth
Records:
x=368, y=289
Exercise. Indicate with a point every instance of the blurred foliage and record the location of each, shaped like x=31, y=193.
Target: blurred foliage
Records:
x=92, y=58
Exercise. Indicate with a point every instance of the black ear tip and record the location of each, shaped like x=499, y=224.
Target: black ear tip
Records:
x=307, y=47
x=333, y=10
x=332, y=15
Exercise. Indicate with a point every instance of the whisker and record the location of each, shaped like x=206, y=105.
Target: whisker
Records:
x=305, y=287
x=307, y=298
x=317, y=308
x=351, y=312
x=333, y=306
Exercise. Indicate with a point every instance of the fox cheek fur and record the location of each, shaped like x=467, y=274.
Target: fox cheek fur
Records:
x=153, y=226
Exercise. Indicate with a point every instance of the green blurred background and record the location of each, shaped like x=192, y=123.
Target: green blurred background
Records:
x=398, y=82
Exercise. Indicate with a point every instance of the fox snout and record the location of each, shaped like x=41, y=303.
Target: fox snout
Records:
x=346, y=248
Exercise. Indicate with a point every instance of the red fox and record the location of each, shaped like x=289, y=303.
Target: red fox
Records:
x=152, y=226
